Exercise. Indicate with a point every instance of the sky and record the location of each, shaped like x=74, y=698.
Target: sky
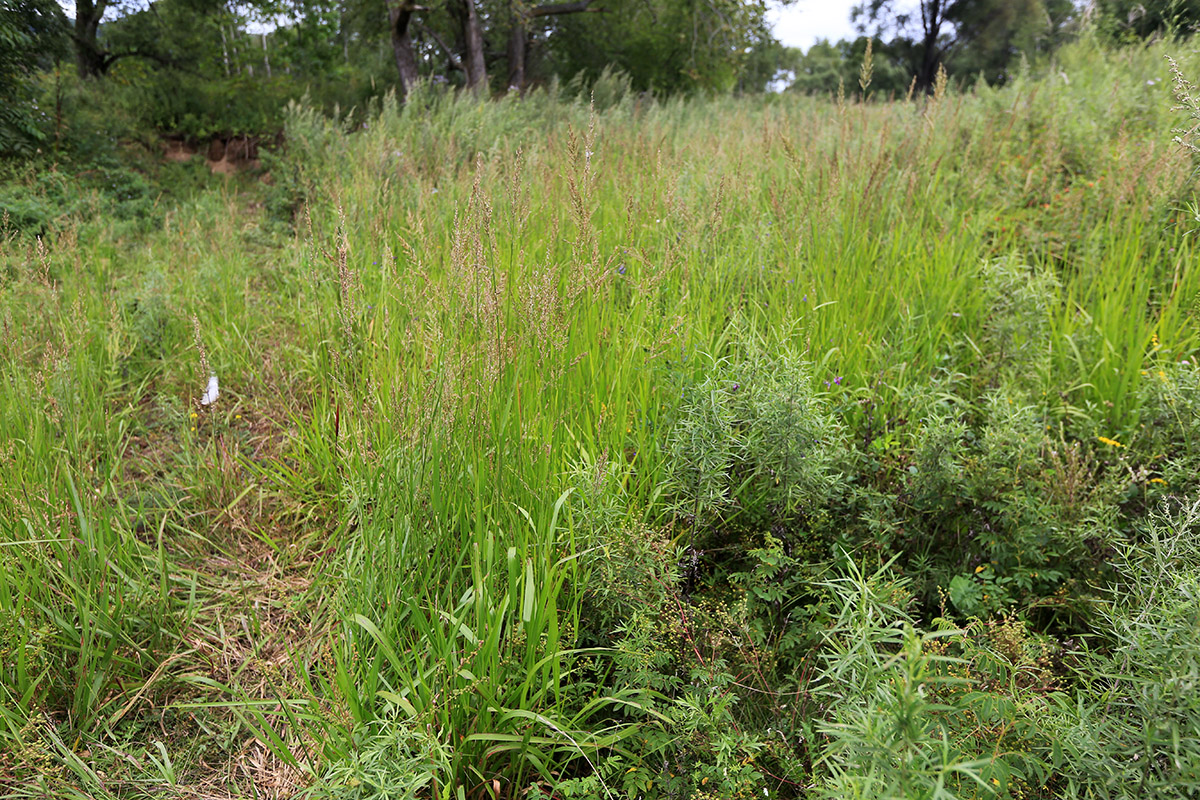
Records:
x=805, y=21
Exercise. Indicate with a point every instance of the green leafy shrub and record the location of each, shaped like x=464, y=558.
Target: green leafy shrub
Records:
x=753, y=437
x=941, y=714
x=1168, y=442
x=1132, y=729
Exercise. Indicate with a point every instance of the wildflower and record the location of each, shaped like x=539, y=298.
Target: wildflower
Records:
x=1158, y=480
x=980, y=568
x=838, y=380
x=621, y=270
x=1110, y=442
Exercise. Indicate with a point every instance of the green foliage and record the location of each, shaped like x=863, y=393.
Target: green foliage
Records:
x=665, y=47
x=1170, y=423
x=106, y=196
x=1129, y=21
x=559, y=454
x=753, y=433
x=394, y=761
x=32, y=32
x=966, y=38
x=827, y=65
x=1130, y=729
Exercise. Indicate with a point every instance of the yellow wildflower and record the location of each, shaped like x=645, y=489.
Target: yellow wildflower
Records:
x=1158, y=480
x=980, y=568
x=1110, y=442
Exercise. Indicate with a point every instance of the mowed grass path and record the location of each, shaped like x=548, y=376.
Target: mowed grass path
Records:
x=464, y=308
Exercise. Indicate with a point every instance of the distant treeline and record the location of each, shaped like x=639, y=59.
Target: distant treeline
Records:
x=205, y=67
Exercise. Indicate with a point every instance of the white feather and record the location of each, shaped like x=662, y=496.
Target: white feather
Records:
x=211, y=393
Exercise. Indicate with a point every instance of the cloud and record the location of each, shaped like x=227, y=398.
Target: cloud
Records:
x=803, y=23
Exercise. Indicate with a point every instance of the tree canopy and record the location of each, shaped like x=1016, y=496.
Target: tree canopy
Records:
x=32, y=32
x=963, y=36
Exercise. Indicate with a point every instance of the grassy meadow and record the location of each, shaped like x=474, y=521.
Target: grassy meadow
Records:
x=705, y=449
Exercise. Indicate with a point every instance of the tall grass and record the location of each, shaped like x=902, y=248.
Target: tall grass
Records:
x=554, y=442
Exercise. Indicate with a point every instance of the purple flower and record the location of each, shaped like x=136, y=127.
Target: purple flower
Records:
x=838, y=380
x=621, y=270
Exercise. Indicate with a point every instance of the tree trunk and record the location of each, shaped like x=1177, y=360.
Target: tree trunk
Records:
x=89, y=58
x=518, y=38
x=932, y=17
x=399, y=18
x=518, y=41
x=471, y=34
